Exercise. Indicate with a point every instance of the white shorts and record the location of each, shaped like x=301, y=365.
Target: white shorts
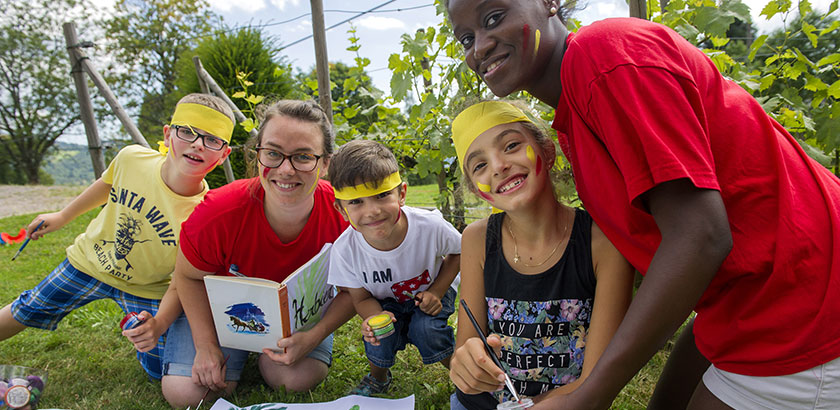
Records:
x=815, y=388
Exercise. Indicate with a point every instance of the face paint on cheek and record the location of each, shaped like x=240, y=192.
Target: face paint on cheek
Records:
x=485, y=196
x=353, y=224
x=398, y=216
x=529, y=151
x=314, y=184
x=266, y=170
x=536, y=42
x=526, y=34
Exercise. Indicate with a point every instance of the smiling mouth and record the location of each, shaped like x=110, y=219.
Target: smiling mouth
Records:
x=492, y=66
x=510, y=185
x=285, y=185
x=194, y=158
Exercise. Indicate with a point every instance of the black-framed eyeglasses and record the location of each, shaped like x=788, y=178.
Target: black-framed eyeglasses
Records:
x=210, y=142
x=303, y=162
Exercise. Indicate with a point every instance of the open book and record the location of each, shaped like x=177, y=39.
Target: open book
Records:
x=254, y=313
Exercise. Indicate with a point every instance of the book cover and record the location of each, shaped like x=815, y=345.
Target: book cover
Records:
x=254, y=313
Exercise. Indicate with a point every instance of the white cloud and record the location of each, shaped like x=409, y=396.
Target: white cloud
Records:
x=605, y=8
x=281, y=4
x=248, y=6
x=381, y=23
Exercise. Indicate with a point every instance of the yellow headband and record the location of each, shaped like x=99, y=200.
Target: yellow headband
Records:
x=362, y=190
x=206, y=118
x=477, y=119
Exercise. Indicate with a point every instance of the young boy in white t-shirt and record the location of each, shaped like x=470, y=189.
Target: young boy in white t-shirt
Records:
x=396, y=260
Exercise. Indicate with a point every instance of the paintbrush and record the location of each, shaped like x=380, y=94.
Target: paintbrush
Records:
x=411, y=295
x=28, y=238
x=489, y=349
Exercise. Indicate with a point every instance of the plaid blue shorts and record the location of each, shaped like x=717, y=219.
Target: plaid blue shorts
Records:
x=67, y=288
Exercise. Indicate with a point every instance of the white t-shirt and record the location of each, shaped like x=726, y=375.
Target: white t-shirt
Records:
x=412, y=266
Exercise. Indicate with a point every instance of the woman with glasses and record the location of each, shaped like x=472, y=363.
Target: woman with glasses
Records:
x=266, y=227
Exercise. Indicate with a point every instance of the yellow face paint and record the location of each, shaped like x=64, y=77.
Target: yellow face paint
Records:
x=536, y=41
x=529, y=151
x=353, y=224
x=317, y=176
x=482, y=187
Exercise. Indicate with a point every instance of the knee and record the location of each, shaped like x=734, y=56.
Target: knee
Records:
x=180, y=391
x=300, y=377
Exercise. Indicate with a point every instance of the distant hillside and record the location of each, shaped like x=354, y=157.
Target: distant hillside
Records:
x=70, y=165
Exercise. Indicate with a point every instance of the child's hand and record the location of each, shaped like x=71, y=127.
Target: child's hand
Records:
x=52, y=222
x=367, y=332
x=428, y=302
x=472, y=369
x=144, y=336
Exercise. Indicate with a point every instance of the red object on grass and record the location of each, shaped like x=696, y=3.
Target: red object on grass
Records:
x=20, y=237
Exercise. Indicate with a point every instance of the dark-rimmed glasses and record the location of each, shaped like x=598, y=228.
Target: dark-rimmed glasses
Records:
x=302, y=162
x=210, y=142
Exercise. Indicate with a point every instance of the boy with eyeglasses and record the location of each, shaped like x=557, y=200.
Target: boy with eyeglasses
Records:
x=127, y=253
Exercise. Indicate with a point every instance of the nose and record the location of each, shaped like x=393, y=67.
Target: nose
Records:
x=286, y=167
x=198, y=144
x=483, y=44
x=499, y=164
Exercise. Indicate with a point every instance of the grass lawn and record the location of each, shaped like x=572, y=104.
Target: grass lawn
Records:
x=91, y=366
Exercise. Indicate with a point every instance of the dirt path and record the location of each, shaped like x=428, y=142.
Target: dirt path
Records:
x=27, y=199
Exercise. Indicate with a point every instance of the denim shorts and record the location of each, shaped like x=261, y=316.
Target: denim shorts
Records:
x=432, y=335
x=67, y=288
x=179, y=354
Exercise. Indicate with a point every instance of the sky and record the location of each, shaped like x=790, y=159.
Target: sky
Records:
x=379, y=31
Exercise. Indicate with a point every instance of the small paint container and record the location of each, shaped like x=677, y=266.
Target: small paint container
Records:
x=17, y=396
x=381, y=325
x=516, y=405
x=130, y=321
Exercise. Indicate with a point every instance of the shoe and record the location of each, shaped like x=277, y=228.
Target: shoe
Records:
x=370, y=386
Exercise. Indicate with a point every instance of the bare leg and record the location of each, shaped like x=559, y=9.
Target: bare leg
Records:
x=682, y=374
x=703, y=399
x=8, y=325
x=180, y=391
x=378, y=373
x=301, y=376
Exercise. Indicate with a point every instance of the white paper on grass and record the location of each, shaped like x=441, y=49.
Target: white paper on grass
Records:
x=344, y=403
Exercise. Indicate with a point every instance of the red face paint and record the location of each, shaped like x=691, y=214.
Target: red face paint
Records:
x=526, y=34
x=539, y=164
x=398, y=217
x=485, y=196
x=265, y=172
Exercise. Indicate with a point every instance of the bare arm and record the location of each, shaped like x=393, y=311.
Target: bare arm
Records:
x=429, y=300
x=613, y=293
x=94, y=195
x=471, y=369
x=367, y=306
x=207, y=366
x=146, y=335
x=695, y=241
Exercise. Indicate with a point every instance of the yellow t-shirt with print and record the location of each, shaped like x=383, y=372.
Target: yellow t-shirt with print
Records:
x=132, y=243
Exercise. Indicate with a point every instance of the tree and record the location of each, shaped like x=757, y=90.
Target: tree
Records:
x=147, y=38
x=803, y=95
x=231, y=57
x=37, y=98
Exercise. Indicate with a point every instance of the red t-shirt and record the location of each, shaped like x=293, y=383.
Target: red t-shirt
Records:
x=229, y=230
x=642, y=106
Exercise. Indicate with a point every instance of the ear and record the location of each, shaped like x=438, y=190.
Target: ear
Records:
x=550, y=152
x=403, y=189
x=340, y=209
x=166, y=137
x=225, y=154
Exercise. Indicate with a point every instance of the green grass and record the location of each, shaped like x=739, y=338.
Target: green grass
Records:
x=91, y=366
